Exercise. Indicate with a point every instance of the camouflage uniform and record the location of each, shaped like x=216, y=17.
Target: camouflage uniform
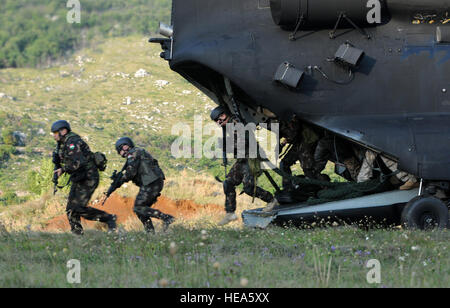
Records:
x=303, y=140
x=368, y=165
x=337, y=150
x=241, y=173
x=77, y=160
x=144, y=171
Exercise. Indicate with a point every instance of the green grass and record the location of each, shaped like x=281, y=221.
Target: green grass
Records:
x=275, y=257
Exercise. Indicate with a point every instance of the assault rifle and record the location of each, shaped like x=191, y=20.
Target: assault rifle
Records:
x=116, y=183
x=57, y=165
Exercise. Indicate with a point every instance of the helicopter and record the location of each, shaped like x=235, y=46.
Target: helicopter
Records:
x=373, y=72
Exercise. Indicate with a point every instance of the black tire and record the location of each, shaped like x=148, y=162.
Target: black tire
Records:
x=425, y=213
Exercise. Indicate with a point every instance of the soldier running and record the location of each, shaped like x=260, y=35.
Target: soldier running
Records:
x=78, y=161
x=240, y=172
x=144, y=171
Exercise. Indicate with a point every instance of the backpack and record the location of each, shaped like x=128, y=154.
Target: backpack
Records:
x=149, y=169
x=100, y=161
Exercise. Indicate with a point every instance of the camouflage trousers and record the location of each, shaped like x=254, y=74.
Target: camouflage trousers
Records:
x=402, y=176
x=240, y=173
x=77, y=205
x=330, y=149
x=304, y=153
x=368, y=165
x=146, y=197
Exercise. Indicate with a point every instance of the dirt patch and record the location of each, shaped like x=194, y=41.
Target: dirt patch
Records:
x=123, y=208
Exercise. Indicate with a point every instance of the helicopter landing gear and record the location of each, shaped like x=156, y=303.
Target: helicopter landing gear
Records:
x=425, y=213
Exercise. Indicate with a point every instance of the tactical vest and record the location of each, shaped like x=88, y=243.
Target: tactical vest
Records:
x=149, y=170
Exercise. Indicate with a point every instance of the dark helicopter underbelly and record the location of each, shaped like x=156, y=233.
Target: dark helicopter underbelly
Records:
x=397, y=103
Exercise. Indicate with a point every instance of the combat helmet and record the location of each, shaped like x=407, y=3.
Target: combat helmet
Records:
x=58, y=125
x=124, y=141
x=216, y=112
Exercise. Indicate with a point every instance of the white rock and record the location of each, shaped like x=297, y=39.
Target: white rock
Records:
x=141, y=73
x=127, y=100
x=162, y=83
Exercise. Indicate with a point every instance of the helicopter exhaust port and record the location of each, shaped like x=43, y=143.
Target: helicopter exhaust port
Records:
x=320, y=13
x=323, y=14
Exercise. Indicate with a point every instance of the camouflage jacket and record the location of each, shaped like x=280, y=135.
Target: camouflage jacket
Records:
x=141, y=168
x=75, y=154
x=296, y=132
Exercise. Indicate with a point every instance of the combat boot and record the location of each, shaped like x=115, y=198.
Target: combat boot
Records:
x=409, y=185
x=78, y=232
x=229, y=217
x=271, y=205
x=167, y=221
x=148, y=226
x=112, y=226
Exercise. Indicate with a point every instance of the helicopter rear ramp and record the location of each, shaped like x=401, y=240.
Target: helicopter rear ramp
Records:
x=383, y=208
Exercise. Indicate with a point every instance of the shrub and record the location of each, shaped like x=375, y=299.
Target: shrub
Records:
x=35, y=31
x=6, y=151
x=39, y=182
x=8, y=137
x=9, y=197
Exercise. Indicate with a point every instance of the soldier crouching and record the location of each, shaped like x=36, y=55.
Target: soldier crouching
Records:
x=302, y=139
x=144, y=171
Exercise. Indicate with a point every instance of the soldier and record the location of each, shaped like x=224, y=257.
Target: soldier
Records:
x=240, y=172
x=78, y=161
x=342, y=153
x=144, y=171
x=302, y=140
x=408, y=181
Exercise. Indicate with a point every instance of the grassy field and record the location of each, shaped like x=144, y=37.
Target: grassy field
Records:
x=209, y=257
x=98, y=92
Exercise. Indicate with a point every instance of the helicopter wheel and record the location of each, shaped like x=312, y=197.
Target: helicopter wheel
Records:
x=425, y=213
